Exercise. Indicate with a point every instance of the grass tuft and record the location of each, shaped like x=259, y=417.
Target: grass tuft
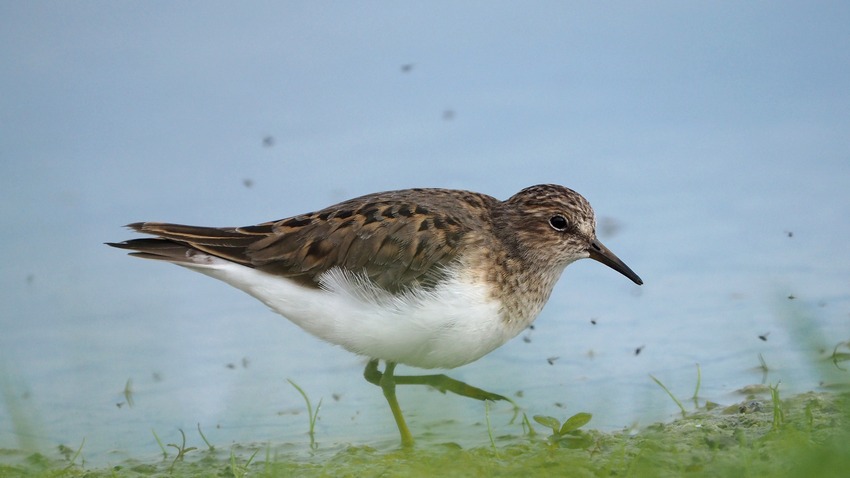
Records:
x=778, y=413
x=73, y=458
x=312, y=417
x=238, y=470
x=567, y=434
x=182, y=450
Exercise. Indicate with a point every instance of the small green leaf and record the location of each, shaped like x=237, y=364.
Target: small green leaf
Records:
x=550, y=422
x=582, y=441
x=575, y=422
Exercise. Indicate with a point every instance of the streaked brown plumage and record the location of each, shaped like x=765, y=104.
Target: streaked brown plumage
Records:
x=466, y=271
x=394, y=237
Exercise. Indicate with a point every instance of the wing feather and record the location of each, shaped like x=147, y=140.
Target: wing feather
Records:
x=398, y=239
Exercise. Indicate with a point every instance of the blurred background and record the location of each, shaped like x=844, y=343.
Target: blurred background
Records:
x=713, y=140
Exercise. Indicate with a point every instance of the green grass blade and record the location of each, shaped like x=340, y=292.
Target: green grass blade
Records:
x=204, y=438
x=310, y=416
x=681, y=407
x=161, y=445
x=699, y=382
x=489, y=427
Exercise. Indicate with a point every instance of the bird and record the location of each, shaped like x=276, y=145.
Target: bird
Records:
x=426, y=277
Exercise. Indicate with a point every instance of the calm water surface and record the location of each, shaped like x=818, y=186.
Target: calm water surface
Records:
x=197, y=352
x=715, y=154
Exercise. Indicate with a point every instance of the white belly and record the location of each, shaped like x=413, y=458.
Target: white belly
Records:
x=455, y=323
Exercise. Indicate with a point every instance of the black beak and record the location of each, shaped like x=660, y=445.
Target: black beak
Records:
x=600, y=253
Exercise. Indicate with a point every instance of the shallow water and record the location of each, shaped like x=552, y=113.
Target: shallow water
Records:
x=211, y=356
x=731, y=204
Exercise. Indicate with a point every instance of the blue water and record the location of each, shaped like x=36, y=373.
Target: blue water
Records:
x=713, y=145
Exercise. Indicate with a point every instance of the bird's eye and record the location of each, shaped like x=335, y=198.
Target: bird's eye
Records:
x=559, y=223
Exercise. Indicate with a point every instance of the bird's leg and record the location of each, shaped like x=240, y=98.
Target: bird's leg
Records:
x=387, y=383
x=444, y=384
x=441, y=382
x=372, y=374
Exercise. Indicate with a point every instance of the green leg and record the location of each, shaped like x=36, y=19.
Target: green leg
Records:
x=444, y=384
x=387, y=381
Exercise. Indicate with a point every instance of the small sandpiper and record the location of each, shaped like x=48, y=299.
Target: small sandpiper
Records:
x=431, y=278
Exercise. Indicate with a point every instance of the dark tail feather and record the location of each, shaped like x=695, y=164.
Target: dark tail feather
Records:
x=158, y=249
x=180, y=243
x=196, y=235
